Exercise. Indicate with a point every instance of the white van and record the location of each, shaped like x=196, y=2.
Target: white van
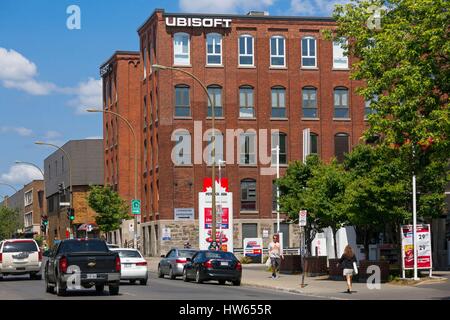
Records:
x=20, y=256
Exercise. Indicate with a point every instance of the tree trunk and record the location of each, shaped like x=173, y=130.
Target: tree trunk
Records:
x=333, y=230
x=366, y=243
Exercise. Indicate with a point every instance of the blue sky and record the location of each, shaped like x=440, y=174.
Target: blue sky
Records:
x=48, y=72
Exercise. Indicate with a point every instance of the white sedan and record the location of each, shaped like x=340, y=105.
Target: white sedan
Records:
x=133, y=265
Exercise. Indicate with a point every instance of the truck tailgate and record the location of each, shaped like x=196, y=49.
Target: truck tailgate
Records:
x=93, y=262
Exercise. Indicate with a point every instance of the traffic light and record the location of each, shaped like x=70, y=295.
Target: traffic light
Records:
x=61, y=188
x=44, y=223
x=71, y=214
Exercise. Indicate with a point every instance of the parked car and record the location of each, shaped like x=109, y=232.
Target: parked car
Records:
x=133, y=265
x=172, y=264
x=20, y=256
x=208, y=265
x=98, y=266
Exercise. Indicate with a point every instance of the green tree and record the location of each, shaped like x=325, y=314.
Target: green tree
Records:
x=9, y=222
x=110, y=208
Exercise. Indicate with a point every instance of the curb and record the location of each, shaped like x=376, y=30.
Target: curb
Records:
x=294, y=291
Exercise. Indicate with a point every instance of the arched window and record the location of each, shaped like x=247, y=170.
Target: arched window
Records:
x=247, y=148
x=248, y=195
x=341, y=108
x=278, y=102
x=182, y=101
x=246, y=106
x=279, y=139
x=340, y=60
x=181, y=49
x=309, y=102
x=246, y=50
x=181, y=152
x=309, y=57
x=215, y=93
x=341, y=146
x=213, y=49
x=209, y=148
x=277, y=51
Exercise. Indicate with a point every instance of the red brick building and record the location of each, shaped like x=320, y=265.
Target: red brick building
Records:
x=122, y=76
x=263, y=73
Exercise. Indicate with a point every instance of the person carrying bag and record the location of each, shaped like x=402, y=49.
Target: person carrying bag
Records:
x=348, y=263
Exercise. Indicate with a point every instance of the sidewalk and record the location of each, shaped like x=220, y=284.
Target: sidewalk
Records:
x=255, y=275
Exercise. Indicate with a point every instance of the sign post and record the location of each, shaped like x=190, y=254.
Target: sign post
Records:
x=302, y=215
x=422, y=254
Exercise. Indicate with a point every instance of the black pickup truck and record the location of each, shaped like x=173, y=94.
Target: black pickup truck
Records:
x=76, y=263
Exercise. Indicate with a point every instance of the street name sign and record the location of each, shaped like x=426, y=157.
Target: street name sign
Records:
x=136, y=207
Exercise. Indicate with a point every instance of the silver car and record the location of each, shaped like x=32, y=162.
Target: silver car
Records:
x=173, y=262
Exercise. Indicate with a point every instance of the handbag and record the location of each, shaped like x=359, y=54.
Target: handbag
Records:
x=355, y=268
x=268, y=262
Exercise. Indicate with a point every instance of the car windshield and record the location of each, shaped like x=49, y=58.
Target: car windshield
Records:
x=186, y=253
x=129, y=254
x=219, y=255
x=19, y=246
x=83, y=246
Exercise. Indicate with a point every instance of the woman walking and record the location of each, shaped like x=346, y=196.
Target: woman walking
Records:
x=348, y=261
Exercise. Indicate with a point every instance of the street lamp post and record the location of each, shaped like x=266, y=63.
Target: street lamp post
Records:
x=213, y=171
x=220, y=200
x=70, y=173
x=30, y=164
x=135, y=162
x=277, y=150
x=8, y=185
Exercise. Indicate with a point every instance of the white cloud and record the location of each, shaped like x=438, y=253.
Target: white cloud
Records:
x=224, y=6
x=21, y=131
x=52, y=134
x=21, y=174
x=88, y=95
x=314, y=7
x=17, y=72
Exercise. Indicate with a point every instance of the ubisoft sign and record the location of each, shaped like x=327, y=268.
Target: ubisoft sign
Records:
x=198, y=22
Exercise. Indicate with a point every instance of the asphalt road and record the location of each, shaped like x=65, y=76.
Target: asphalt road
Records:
x=22, y=288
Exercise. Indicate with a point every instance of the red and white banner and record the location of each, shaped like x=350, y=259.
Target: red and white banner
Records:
x=224, y=215
x=423, y=236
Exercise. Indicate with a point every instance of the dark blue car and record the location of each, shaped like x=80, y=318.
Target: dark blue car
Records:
x=208, y=265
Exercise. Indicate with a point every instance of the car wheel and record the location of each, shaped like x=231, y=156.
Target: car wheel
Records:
x=171, y=275
x=237, y=282
x=113, y=290
x=99, y=288
x=185, y=277
x=197, y=277
x=160, y=274
x=132, y=281
x=143, y=282
x=35, y=276
x=221, y=282
x=60, y=290
x=48, y=287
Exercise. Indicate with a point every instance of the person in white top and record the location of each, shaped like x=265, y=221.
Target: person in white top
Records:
x=275, y=256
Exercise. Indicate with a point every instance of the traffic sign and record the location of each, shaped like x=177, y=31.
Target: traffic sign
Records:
x=136, y=206
x=302, y=218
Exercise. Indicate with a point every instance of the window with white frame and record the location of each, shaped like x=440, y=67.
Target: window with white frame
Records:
x=247, y=146
x=341, y=109
x=213, y=49
x=309, y=102
x=309, y=58
x=340, y=60
x=246, y=52
x=182, y=151
x=246, y=107
x=28, y=219
x=28, y=198
x=277, y=51
x=218, y=146
x=181, y=49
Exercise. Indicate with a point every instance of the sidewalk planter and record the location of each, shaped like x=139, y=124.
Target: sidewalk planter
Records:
x=291, y=264
x=335, y=270
x=315, y=266
x=382, y=264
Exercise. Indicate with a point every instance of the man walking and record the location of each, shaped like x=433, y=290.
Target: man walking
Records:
x=275, y=255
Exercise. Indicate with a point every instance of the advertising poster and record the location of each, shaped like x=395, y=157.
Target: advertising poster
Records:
x=224, y=215
x=423, y=245
x=166, y=234
x=253, y=248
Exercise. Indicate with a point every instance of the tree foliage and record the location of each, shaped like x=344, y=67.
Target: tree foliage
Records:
x=10, y=221
x=110, y=208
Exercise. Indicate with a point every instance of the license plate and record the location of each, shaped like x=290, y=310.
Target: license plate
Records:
x=91, y=276
x=20, y=269
x=224, y=263
x=127, y=265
